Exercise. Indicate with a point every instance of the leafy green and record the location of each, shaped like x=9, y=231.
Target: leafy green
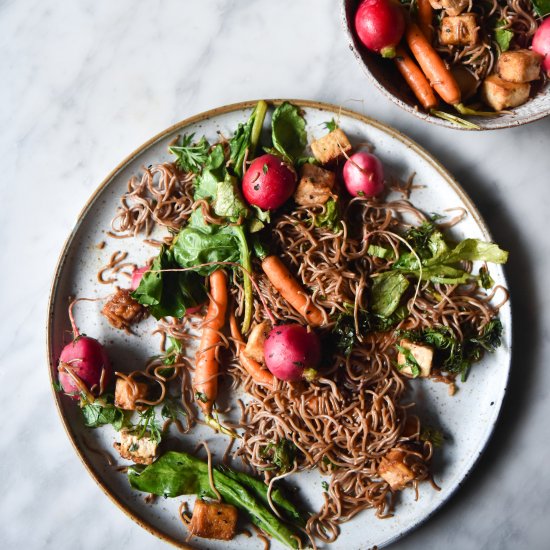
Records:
x=148, y=425
x=190, y=157
x=485, y=279
x=259, y=489
x=330, y=125
x=174, y=349
x=410, y=361
x=229, y=202
x=503, y=36
x=288, y=131
x=386, y=291
x=343, y=336
x=101, y=412
x=171, y=409
x=542, y=7
x=211, y=243
x=452, y=354
x=245, y=139
x=380, y=251
x=324, y=485
x=434, y=435
x=175, y=474
x=259, y=219
x=281, y=454
x=330, y=218
x=169, y=293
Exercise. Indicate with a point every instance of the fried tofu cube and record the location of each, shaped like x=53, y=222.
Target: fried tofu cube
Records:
x=122, y=310
x=255, y=346
x=331, y=147
x=126, y=394
x=393, y=469
x=459, y=30
x=451, y=7
x=422, y=354
x=519, y=66
x=212, y=520
x=315, y=186
x=500, y=94
x=141, y=450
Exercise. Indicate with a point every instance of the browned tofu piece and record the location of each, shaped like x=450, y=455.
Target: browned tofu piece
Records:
x=459, y=30
x=122, y=310
x=451, y=7
x=501, y=94
x=422, y=354
x=255, y=346
x=315, y=186
x=141, y=450
x=212, y=520
x=393, y=469
x=126, y=394
x=331, y=147
x=519, y=66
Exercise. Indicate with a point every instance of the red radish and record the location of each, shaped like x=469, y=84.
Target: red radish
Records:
x=83, y=364
x=269, y=182
x=86, y=359
x=290, y=351
x=380, y=25
x=541, y=43
x=137, y=275
x=364, y=175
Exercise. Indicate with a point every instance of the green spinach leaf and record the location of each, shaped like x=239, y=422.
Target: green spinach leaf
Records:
x=386, y=292
x=288, y=131
x=503, y=36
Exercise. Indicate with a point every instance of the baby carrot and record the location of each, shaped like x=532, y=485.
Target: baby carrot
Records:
x=291, y=290
x=251, y=366
x=432, y=65
x=415, y=78
x=206, y=370
x=425, y=17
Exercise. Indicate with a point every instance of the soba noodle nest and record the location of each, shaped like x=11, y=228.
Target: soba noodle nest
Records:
x=345, y=421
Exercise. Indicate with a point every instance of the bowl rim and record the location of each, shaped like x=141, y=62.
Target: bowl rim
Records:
x=427, y=117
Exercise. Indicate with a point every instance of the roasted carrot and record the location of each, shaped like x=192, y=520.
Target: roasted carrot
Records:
x=432, y=65
x=251, y=366
x=425, y=18
x=291, y=290
x=415, y=78
x=206, y=371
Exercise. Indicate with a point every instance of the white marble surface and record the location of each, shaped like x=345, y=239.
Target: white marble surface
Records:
x=84, y=82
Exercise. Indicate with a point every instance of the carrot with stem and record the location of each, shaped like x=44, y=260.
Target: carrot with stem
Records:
x=425, y=17
x=415, y=78
x=252, y=367
x=291, y=290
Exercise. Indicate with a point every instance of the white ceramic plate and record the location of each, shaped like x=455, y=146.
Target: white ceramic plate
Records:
x=468, y=417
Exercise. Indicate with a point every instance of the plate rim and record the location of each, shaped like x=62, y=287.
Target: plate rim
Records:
x=205, y=115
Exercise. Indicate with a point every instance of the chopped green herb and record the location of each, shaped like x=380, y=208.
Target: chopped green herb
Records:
x=191, y=157
x=330, y=125
x=324, y=485
x=281, y=454
x=434, y=435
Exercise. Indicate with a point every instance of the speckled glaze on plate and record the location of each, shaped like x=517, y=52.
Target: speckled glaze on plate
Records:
x=468, y=417
x=387, y=79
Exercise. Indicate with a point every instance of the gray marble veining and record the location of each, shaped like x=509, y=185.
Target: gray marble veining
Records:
x=83, y=84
